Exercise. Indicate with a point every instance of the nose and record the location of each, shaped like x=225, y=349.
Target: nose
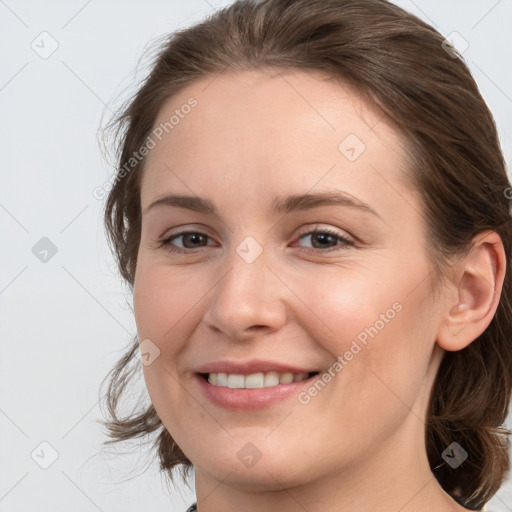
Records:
x=249, y=300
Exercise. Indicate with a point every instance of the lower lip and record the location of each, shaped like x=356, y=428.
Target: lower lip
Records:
x=253, y=398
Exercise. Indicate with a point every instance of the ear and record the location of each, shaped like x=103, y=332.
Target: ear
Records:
x=478, y=280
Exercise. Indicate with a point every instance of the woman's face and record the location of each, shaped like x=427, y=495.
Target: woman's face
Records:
x=254, y=285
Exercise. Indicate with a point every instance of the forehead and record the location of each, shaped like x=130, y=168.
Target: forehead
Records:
x=262, y=129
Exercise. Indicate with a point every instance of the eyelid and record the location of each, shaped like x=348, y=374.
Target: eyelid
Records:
x=325, y=227
x=302, y=231
x=186, y=228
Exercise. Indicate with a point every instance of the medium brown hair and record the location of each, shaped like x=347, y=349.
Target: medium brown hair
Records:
x=403, y=66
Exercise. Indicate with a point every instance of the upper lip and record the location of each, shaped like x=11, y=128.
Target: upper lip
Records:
x=248, y=367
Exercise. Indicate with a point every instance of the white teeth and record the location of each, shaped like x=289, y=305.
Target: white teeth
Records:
x=236, y=381
x=222, y=379
x=286, y=378
x=271, y=379
x=254, y=380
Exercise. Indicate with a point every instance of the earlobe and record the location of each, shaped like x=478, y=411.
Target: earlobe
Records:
x=480, y=281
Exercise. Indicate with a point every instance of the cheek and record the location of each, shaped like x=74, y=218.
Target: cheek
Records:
x=380, y=326
x=350, y=305
x=165, y=305
x=163, y=299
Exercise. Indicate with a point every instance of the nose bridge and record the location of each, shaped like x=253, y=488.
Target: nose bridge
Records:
x=248, y=294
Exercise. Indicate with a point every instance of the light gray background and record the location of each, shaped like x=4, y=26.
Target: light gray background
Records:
x=64, y=323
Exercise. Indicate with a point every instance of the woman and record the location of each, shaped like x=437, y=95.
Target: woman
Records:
x=311, y=211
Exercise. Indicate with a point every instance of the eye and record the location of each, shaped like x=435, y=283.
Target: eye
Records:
x=326, y=240
x=191, y=240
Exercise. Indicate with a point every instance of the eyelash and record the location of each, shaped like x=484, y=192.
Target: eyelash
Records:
x=166, y=243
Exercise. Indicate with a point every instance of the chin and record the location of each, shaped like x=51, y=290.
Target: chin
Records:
x=270, y=473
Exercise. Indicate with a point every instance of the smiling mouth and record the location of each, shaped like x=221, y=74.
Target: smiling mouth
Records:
x=255, y=380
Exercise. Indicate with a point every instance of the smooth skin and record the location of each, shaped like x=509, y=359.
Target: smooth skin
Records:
x=358, y=445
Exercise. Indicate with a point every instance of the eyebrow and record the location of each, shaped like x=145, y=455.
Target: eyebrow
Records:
x=280, y=205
